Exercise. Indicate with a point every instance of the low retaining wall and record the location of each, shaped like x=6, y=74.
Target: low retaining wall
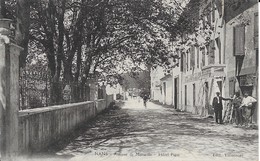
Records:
x=40, y=127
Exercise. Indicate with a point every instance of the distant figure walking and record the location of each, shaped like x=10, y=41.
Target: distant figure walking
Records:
x=145, y=99
x=218, y=107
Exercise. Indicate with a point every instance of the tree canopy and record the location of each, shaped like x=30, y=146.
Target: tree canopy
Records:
x=79, y=39
x=78, y=36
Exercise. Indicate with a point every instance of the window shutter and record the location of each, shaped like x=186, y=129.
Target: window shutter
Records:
x=208, y=12
x=219, y=6
x=187, y=62
x=203, y=57
x=181, y=67
x=209, y=17
x=185, y=90
x=213, y=13
x=211, y=51
x=239, y=40
x=198, y=57
x=192, y=57
x=219, y=50
x=256, y=31
x=256, y=24
x=183, y=64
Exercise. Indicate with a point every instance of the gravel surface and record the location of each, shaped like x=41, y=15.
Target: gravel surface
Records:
x=158, y=133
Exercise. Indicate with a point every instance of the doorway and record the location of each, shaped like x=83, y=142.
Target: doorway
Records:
x=176, y=92
x=164, y=92
x=194, y=95
x=220, y=86
x=206, y=90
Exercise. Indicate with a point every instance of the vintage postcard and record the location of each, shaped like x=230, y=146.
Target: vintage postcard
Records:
x=123, y=80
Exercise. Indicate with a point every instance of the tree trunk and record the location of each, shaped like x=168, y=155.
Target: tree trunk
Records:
x=23, y=27
x=2, y=9
x=55, y=84
x=79, y=60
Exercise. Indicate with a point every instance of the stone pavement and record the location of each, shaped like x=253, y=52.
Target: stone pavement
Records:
x=157, y=133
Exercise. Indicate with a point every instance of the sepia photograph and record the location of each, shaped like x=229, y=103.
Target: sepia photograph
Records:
x=129, y=80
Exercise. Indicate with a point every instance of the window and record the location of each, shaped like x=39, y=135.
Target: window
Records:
x=220, y=84
x=182, y=62
x=239, y=40
x=204, y=23
x=209, y=18
x=178, y=60
x=185, y=101
x=192, y=57
x=198, y=57
x=194, y=95
x=203, y=56
x=211, y=51
x=213, y=13
x=256, y=24
x=164, y=89
x=256, y=30
x=219, y=7
x=206, y=90
x=208, y=12
x=187, y=61
x=207, y=54
x=219, y=50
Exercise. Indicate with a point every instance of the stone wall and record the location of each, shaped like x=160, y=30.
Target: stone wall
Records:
x=40, y=127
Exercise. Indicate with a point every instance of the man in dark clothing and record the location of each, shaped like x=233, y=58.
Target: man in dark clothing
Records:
x=218, y=107
x=145, y=98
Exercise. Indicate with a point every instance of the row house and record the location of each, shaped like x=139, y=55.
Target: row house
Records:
x=156, y=74
x=202, y=63
x=165, y=84
x=161, y=85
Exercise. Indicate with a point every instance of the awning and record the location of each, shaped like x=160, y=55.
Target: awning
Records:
x=247, y=80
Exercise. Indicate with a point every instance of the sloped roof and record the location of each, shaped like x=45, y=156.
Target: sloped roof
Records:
x=235, y=7
x=166, y=77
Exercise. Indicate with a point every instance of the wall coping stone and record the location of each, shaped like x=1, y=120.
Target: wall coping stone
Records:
x=52, y=108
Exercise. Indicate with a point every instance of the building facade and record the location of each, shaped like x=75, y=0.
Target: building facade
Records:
x=203, y=63
x=241, y=48
x=167, y=90
x=176, y=84
x=162, y=85
x=221, y=55
x=156, y=88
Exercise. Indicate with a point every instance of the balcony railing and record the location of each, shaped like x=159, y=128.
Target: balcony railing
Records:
x=216, y=70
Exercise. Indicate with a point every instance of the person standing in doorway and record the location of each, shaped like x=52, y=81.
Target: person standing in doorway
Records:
x=247, y=106
x=218, y=107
